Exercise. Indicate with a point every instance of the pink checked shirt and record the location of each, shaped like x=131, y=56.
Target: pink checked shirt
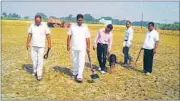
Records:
x=104, y=38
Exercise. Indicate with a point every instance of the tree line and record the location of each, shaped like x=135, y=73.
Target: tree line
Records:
x=88, y=18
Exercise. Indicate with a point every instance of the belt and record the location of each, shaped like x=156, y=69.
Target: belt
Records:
x=125, y=40
x=102, y=44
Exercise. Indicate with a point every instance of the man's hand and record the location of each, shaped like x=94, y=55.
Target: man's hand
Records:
x=49, y=46
x=28, y=41
x=154, y=51
x=27, y=46
x=94, y=47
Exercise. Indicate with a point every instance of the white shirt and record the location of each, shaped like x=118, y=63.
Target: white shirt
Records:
x=128, y=37
x=150, y=39
x=79, y=35
x=38, y=34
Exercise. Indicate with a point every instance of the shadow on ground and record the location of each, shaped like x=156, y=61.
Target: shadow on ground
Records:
x=130, y=67
x=28, y=68
x=87, y=64
x=63, y=69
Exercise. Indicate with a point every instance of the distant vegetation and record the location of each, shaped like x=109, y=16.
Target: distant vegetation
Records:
x=90, y=19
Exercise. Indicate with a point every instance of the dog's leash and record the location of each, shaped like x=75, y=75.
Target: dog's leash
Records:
x=47, y=53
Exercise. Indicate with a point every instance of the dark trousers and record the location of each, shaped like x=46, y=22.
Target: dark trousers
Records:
x=101, y=55
x=126, y=54
x=148, y=60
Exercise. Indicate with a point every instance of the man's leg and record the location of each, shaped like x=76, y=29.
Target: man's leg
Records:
x=81, y=63
x=126, y=56
x=105, y=47
x=129, y=56
x=40, y=62
x=99, y=55
x=34, y=59
x=75, y=62
x=150, y=61
x=145, y=61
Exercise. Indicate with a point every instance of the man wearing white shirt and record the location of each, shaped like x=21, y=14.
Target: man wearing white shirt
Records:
x=79, y=36
x=127, y=43
x=37, y=34
x=150, y=46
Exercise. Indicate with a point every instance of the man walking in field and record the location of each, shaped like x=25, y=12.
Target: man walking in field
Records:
x=127, y=43
x=37, y=33
x=150, y=46
x=80, y=36
x=103, y=43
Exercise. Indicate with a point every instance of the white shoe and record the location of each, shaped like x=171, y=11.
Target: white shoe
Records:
x=99, y=68
x=148, y=73
x=103, y=72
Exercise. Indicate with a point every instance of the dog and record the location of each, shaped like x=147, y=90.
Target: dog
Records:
x=112, y=62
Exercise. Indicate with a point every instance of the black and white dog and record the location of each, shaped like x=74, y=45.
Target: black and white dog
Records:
x=112, y=62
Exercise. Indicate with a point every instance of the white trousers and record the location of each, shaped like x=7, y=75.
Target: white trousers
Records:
x=78, y=58
x=37, y=59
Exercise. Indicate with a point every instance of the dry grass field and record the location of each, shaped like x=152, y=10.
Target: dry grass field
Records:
x=58, y=84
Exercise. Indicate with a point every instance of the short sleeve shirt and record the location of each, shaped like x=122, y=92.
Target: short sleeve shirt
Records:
x=38, y=34
x=79, y=35
x=150, y=39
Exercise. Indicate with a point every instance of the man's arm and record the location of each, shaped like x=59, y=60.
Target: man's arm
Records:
x=88, y=44
x=110, y=44
x=130, y=38
x=156, y=46
x=48, y=36
x=68, y=42
x=157, y=43
x=95, y=40
x=28, y=41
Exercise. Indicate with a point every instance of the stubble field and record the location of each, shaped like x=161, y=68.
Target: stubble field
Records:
x=58, y=84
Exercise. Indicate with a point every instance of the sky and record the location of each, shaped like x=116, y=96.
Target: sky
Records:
x=163, y=12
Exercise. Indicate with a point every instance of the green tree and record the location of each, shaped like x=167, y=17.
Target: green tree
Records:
x=4, y=14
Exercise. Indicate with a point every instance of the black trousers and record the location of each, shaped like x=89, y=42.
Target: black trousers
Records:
x=101, y=55
x=126, y=54
x=148, y=60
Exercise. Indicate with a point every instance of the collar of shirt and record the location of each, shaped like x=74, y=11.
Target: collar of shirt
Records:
x=37, y=25
x=129, y=28
x=152, y=31
x=82, y=25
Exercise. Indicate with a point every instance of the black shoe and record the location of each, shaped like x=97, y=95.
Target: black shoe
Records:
x=75, y=77
x=144, y=71
x=78, y=80
x=39, y=78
